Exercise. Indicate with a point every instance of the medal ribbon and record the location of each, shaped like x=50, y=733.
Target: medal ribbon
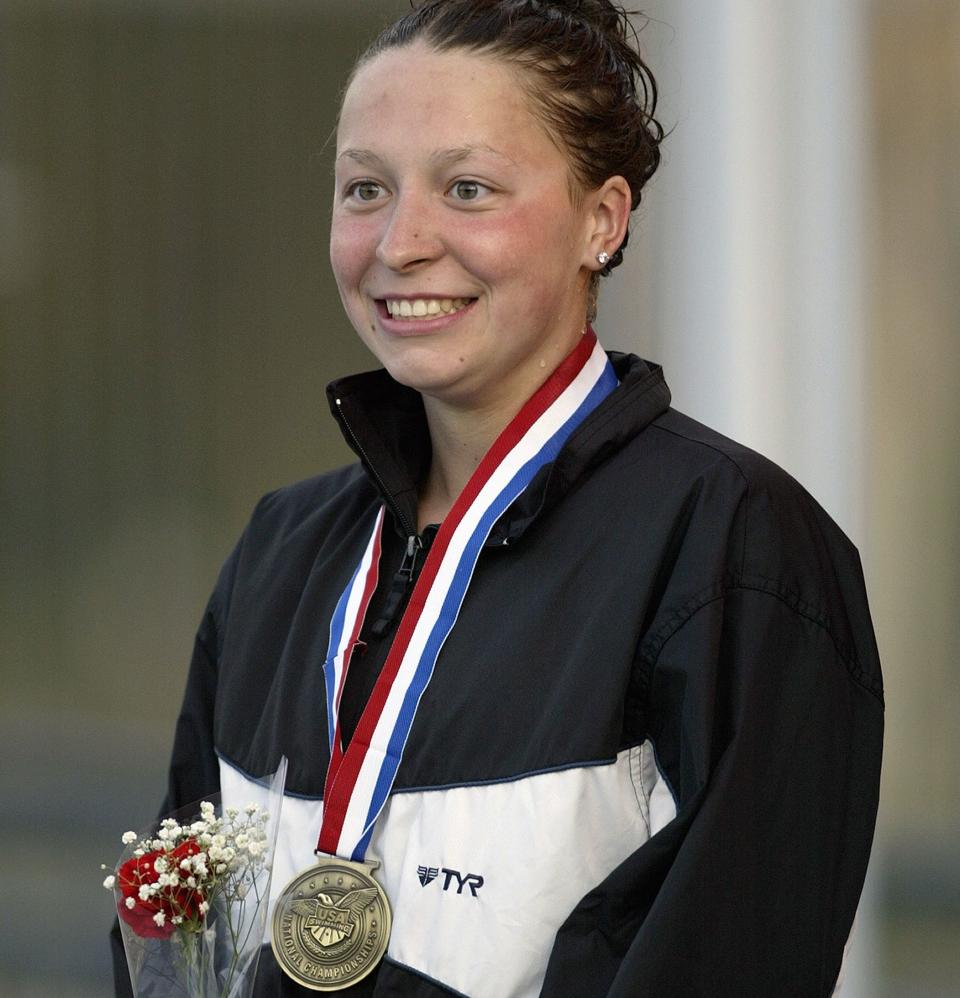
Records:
x=359, y=781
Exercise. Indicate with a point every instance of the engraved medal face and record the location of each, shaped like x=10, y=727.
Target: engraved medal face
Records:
x=331, y=925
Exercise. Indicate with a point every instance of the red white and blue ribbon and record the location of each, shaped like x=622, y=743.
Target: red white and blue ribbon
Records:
x=345, y=634
x=359, y=780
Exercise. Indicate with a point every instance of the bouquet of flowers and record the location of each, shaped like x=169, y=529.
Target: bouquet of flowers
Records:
x=192, y=896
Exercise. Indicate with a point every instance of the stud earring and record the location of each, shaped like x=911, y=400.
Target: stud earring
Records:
x=603, y=257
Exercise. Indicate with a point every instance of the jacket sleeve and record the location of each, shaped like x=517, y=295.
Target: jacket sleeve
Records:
x=767, y=728
x=194, y=772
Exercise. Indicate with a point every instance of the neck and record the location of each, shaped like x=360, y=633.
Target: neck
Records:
x=459, y=438
x=462, y=431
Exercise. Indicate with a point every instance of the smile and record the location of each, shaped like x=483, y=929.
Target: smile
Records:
x=422, y=308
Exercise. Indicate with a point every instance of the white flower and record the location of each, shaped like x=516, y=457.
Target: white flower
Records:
x=204, y=907
x=130, y=903
x=171, y=827
x=160, y=918
x=161, y=865
x=145, y=891
x=231, y=812
x=251, y=809
x=139, y=853
x=177, y=919
x=109, y=882
x=128, y=838
x=255, y=849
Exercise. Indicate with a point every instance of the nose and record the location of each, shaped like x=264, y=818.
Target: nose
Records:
x=409, y=238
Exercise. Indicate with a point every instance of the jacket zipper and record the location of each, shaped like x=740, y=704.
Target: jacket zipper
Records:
x=403, y=579
x=400, y=586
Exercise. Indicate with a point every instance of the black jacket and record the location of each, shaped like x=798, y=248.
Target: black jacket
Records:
x=654, y=733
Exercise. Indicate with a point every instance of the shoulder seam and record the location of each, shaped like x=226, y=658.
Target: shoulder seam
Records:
x=683, y=436
x=726, y=457
x=654, y=645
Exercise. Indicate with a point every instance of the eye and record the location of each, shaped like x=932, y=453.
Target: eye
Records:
x=364, y=190
x=468, y=190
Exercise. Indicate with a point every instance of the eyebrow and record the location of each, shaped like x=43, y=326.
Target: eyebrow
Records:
x=441, y=157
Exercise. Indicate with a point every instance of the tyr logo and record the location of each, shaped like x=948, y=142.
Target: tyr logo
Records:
x=426, y=874
x=473, y=881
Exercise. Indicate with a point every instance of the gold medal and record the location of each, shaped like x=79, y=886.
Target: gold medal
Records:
x=331, y=925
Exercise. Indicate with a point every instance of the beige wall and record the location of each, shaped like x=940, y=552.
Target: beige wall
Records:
x=914, y=460
x=914, y=406
x=167, y=326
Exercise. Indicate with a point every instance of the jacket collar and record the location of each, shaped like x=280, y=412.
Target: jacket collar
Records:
x=384, y=424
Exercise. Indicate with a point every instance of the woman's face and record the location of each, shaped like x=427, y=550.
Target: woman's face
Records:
x=460, y=256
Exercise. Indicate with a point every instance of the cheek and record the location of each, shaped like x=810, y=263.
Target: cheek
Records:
x=350, y=250
x=501, y=246
x=529, y=252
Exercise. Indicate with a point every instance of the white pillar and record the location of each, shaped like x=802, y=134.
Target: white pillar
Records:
x=748, y=257
x=748, y=253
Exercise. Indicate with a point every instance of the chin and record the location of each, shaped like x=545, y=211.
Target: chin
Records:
x=436, y=384
x=423, y=367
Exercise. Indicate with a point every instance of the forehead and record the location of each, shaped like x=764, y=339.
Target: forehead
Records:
x=418, y=96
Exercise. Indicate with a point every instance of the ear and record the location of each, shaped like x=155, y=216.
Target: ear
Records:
x=607, y=220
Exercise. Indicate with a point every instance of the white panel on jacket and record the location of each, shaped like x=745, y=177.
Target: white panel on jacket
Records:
x=480, y=877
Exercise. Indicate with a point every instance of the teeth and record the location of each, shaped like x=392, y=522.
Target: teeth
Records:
x=418, y=308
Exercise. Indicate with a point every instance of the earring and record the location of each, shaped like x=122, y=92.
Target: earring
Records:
x=603, y=257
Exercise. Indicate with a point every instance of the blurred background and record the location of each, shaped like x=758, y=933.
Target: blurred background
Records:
x=168, y=324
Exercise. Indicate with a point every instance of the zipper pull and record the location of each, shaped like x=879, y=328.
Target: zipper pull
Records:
x=400, y=586
x=408, y=566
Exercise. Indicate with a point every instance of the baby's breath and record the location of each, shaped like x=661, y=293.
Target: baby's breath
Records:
x=175, y=875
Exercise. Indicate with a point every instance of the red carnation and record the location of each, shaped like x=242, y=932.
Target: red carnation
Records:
x=171, y=900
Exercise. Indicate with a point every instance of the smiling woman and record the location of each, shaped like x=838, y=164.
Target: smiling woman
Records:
x=478, y=213
x=600, y=692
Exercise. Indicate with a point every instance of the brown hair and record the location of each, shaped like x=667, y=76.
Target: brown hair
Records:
x=587, y=81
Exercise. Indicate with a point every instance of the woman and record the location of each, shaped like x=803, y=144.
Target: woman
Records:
x=590, y=691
